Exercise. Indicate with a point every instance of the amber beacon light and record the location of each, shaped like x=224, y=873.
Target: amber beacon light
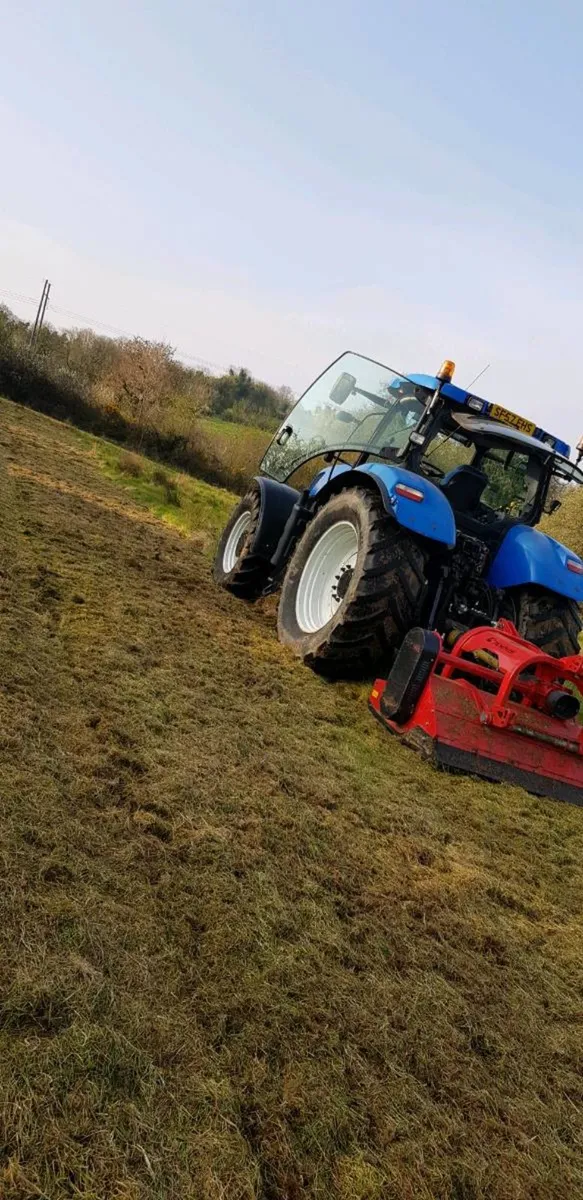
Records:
x=446, y=371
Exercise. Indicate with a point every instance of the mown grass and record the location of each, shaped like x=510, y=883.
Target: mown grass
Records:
x=251, y=948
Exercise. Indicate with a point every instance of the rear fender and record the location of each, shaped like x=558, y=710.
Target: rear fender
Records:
x=528, y=556
x=432, y=517
x=277, y=502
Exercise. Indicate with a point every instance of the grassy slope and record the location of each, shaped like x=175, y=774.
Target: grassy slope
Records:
x=201, y=510
x=238, y=448
x=251, y=947
x=233, y=431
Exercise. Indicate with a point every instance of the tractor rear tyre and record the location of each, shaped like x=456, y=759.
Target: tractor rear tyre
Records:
x=551, y=622
x=353, y=587
x=236, y=567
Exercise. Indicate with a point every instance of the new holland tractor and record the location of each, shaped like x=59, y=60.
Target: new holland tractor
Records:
x=414, y=506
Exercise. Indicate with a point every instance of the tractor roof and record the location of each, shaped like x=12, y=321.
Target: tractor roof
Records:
x=485, y=425
x=494, y=412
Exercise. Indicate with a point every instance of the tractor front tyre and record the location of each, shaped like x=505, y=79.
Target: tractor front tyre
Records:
x=551, y=622
x=353, y=587
x=236, y=567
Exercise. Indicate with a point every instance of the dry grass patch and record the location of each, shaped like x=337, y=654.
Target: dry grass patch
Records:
x=130, y=464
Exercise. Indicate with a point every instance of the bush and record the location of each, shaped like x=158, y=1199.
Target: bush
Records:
x=139, y=382
x=239, y=397
x=130, y=464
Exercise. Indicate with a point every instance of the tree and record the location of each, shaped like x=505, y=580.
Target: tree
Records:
x=140, y=381
x=12, y=330
x=239, y=397
x=287, y=399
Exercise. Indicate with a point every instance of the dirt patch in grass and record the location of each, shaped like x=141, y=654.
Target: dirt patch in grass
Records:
x=250, y=946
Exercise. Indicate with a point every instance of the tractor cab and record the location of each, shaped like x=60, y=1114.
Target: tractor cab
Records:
x=494, y=466
x=494, y=475
x=355, y=406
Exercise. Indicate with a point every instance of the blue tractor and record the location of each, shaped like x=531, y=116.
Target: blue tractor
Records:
x=387, y=502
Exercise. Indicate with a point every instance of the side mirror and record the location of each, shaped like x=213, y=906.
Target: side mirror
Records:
x=348, y=418
x=343, y=388
x=551, y=507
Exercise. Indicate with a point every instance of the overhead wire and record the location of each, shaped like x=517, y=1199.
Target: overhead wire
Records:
x=94, y=323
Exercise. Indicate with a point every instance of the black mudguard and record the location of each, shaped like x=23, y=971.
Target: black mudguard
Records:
x=277, y=503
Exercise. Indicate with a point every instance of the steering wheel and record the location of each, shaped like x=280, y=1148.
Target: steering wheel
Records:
x=433, y=470
x=485, y=515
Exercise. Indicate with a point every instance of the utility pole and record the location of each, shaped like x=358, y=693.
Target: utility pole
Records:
x=40, y=315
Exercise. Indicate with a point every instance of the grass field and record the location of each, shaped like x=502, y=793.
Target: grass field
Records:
x=251, y=949
x=190, y=505
x=232, y=431
x=237, y=448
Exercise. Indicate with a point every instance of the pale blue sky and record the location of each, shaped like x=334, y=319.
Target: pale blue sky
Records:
x=271, y=183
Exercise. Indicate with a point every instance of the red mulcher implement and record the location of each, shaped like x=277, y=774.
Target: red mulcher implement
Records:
x=491, y=705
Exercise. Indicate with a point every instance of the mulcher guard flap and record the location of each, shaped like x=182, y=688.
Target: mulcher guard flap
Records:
x=489, y=707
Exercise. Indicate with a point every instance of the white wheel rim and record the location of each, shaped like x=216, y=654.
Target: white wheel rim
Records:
x=235, y=542
x=325, y=577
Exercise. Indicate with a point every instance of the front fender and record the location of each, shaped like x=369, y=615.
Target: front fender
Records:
x=530, y=556
x=432, y=517
x=277, y=503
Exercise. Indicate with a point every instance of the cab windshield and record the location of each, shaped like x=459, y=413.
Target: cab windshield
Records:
x=356, y=405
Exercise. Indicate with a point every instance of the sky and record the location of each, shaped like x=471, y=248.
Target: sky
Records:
x=267, y=184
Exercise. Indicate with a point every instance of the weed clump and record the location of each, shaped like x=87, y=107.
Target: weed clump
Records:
x=130, y=464
x=162, y=479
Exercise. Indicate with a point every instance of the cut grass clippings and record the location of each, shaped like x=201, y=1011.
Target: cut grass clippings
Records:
x=252, y=948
